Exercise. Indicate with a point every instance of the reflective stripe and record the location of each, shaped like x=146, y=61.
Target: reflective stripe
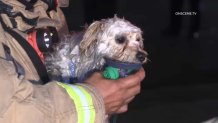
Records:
x=83, y=102
x=90, y=103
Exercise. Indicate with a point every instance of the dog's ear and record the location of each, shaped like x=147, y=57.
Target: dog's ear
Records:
x=90, y=38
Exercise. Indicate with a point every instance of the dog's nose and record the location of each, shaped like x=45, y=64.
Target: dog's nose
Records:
x=141, y=56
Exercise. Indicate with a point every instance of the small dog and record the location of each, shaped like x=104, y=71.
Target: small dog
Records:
x=78, y=54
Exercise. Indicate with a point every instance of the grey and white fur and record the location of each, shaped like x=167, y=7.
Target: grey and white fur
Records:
x=112, y=38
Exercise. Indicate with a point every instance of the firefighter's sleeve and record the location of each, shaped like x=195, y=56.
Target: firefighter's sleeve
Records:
x=63, y=103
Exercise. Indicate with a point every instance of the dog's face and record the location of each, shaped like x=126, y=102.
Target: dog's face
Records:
x=116, y=39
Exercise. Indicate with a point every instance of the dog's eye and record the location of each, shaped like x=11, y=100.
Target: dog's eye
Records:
x=120, y=39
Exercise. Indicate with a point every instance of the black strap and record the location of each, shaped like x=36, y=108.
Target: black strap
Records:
x=32, y=22
x=38, y=64
x=19, y=69
x=29, y=4
x=7, y=9
x=4, y=8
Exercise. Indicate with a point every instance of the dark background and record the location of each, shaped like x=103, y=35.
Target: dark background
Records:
x=181, y=84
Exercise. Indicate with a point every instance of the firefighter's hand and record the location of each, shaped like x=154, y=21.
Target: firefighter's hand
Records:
x=117, y=93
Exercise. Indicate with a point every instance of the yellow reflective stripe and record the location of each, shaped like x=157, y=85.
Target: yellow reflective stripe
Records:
x=90, y=102
x=83, y=102
x=84, y=106
x=76, y=99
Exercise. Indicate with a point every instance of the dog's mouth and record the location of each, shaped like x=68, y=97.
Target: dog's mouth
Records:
x=141, y=56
